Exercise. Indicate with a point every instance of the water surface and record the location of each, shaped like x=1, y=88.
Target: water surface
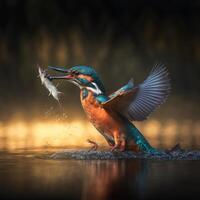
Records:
x=23, y=176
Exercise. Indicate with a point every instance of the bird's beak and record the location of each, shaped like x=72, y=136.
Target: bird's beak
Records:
x=67, y=75
x=58, y=69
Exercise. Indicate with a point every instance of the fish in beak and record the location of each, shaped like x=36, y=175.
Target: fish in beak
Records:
x=45, y=80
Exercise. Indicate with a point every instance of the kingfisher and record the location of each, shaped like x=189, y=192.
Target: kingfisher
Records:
x=113, y=115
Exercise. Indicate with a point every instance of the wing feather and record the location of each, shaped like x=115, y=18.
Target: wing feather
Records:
x=138, y=102
x=151, y=94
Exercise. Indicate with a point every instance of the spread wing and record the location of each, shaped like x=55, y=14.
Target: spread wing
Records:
x=137, y=102
x=120, y=100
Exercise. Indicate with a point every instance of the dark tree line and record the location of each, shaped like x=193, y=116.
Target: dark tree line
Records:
x=121, y=39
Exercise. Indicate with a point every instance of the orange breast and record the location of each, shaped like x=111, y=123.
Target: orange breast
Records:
x=106, y=121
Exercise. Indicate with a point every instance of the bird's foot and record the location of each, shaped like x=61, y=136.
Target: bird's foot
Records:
x=94, y=145
x=115, y=147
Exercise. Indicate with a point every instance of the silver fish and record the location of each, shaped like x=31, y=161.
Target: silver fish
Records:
x=48, y=84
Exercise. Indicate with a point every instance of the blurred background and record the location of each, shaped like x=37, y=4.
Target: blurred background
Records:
x=121, y=40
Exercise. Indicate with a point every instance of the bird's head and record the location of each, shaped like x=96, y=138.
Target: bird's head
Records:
x=81, y=76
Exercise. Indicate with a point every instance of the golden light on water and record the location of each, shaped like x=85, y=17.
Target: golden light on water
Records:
x=49, y=134
x=20, y=134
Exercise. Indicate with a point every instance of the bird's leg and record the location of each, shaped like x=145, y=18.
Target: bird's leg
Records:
x=114, y=147
x=94, y=145
x=123, y=143
x=117, y=141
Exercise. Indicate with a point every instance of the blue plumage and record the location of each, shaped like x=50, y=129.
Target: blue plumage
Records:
x=112, y=115
x=87, y=70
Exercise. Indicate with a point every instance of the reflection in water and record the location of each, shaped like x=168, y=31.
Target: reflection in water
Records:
x=25, y=177
x=71, y=179
x=108, y=179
